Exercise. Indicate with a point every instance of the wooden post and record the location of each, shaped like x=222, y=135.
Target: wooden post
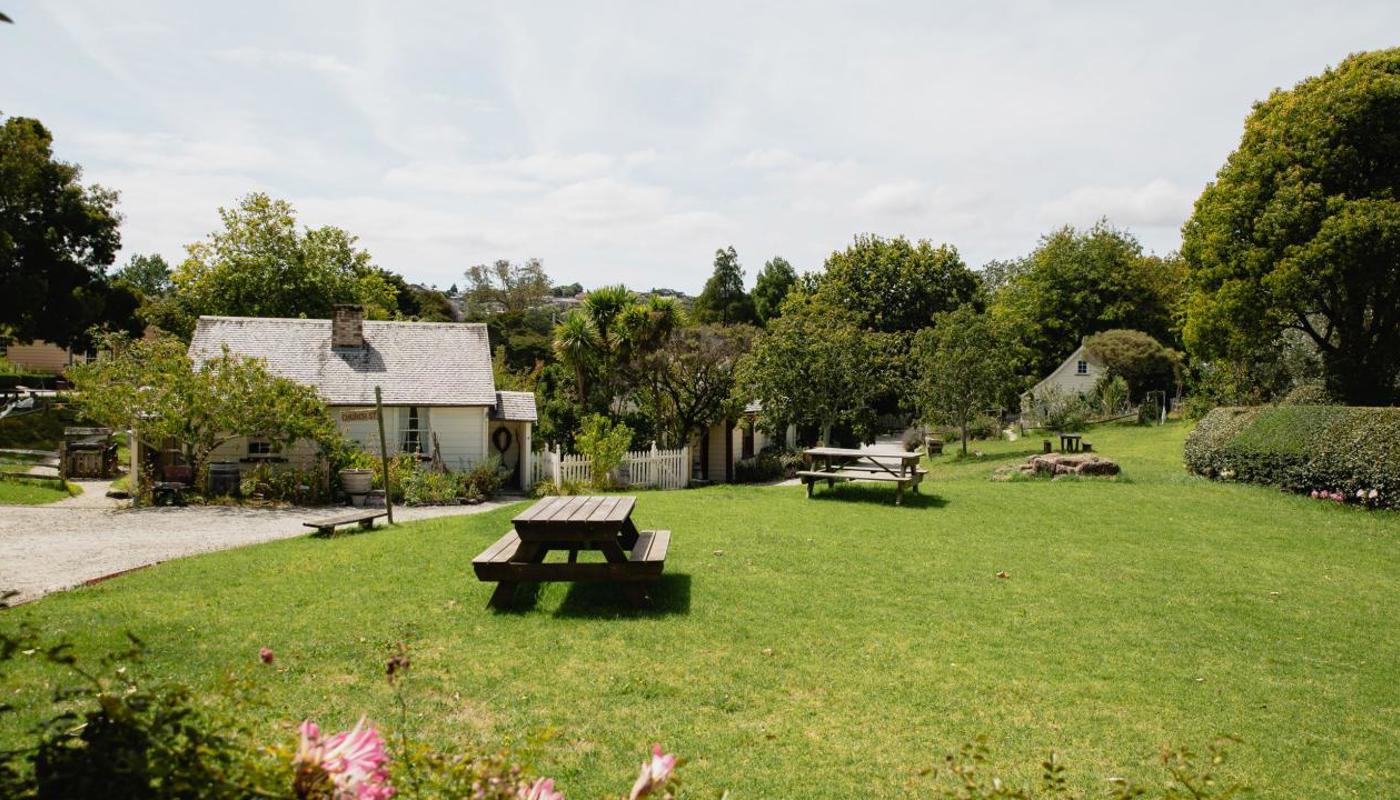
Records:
x=384, y=453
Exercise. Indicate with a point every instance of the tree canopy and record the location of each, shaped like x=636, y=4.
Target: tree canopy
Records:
x=895, y=285
x=1139, y=359
x=688, y=383
x=505, y=286
x=1076, y=283
x=153, y=386
x=261, y=265
x=723, y=300
x=57, y=239
x=962, y=368
x=147, y=274
x=815, y=365
x=771, y=287
x=1300, y=230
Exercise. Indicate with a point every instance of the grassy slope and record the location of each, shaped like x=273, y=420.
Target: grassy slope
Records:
x=839, y=645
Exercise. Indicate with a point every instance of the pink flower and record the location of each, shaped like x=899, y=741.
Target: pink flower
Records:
x=353, y=762
x=265, y=655
x=1373, y=494
x=542, y=789
x=1314, y=494
x=655, y=773
x=1338, y=496
x=1360, y=494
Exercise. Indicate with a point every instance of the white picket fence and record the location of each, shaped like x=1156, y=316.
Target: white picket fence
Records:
x=658, y=469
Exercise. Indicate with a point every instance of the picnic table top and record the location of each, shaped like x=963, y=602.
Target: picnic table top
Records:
x=863, y=453
x=566, y=512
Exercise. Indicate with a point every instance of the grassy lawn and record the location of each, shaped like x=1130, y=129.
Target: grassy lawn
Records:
x=836, y=647
x=33, y=493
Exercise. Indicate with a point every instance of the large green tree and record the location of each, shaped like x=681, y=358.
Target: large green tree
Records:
x=262, y=265
x=1143, y=362
x=815, y=365
x=688, y=383
x=57, y=239
x=152, y=385
x=963, y=368
x=723, y=300
x=1077, y=283
x=771, y=288
x=893, y=285
x=147, y=274
x=1300, y=230
x=503, y=286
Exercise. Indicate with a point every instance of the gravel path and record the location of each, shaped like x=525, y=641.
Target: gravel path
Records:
x=58, y=546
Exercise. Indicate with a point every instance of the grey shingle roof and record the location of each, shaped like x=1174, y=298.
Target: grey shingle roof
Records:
x=416, y=363
x=517, y=406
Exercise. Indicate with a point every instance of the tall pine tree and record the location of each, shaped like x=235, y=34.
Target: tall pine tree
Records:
x=724, y=300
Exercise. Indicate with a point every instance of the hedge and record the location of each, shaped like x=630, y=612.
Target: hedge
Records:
x=1302, y=449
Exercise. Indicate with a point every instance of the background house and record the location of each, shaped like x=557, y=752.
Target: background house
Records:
x=722, y=445
x=1078, y=374
x=41, y=356
x=439, y=394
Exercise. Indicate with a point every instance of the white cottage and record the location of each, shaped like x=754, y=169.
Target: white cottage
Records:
x=1079, y=374
x=719, y=448
x=438, y=390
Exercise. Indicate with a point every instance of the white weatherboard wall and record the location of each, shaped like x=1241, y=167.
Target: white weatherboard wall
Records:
x=461, y=434
x=1067, y=379
x=362, y=427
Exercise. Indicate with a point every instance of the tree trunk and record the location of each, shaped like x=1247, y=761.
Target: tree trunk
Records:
x=826, y=434
x=964, y=436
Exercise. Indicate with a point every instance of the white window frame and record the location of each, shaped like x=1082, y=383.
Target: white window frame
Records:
x=1082, y=368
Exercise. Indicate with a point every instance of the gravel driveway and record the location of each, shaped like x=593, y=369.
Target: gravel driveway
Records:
x=58, y=546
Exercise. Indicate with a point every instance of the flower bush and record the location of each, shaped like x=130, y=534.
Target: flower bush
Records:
x=1325, y=449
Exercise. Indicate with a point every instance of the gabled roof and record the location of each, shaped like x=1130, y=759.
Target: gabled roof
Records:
x=1079, y=354
x=415, y=363
x=515, y=406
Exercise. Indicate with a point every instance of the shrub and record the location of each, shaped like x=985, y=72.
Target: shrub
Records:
x=547, y=488
x=485, y=479
x=401, y=467
x=1111, y=392
x=766, y=466
x=1307, y=394
x=1059, y=410
x=605, y=443
x=1303, y=449
x=280, y=483
x=427, y=487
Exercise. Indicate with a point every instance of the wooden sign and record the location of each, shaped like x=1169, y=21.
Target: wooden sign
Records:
x=358, y=415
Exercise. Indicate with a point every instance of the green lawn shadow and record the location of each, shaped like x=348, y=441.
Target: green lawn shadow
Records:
x=670, y=596
x=863, y=493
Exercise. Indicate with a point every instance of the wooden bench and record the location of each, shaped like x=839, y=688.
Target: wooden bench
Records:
x=326, y=527
x=837, y=464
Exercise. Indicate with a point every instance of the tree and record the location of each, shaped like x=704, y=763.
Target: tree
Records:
x=151, y=385
x=603, y=341
x=1300, y=230
x=261, y=265
x=57, y=239
x=771, y=287
x=147, y=274
x=815, y=365
x=567, y=290
x=688, y=384
x=963, y=369
x=605, y=444
x=893, y=285
x=1077, y=283
x=503, y=286
x=1137, y=358
x=723, y=300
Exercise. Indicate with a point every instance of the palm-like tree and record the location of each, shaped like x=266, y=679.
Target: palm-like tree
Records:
x=577, y=344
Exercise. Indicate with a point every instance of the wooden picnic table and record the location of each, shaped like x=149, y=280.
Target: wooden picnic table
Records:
x=1071, y=442
x=632, y=558
x=833, y=464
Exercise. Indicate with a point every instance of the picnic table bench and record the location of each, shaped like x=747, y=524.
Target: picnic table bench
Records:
x=327, y=526
x=833, y=464
x=633, y=558
x=1071, y=442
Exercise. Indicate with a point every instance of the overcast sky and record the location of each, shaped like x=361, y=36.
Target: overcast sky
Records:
x=627, y=141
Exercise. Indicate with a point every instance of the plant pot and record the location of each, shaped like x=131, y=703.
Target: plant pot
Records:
x=357, y=481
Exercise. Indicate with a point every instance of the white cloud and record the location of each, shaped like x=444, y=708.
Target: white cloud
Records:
x=249, y=56
x=898, y=197
x=1157, y=203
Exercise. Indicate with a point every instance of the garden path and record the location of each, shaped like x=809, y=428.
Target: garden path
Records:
x=49, y=548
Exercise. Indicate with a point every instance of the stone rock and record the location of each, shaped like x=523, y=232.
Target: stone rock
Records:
x=1069, y=464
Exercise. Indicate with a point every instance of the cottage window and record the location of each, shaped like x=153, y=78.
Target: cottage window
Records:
x=1082, y=368
x=262, y=447
x=414, y=433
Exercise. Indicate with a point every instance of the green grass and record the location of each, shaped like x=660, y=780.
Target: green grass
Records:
x=21, y=492
x=836, y=647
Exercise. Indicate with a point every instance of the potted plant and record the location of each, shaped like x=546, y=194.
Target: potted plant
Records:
x=357, y=475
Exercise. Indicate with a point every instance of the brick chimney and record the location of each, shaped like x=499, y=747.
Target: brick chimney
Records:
x=348, y=327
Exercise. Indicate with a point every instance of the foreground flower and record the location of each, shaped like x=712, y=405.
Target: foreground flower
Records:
x=1373, y=494
x=655, y=773
x=265, y=655
x=347, y=766
x=542, y=789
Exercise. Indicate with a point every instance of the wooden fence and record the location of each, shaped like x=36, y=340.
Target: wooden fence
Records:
x=657, y=469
